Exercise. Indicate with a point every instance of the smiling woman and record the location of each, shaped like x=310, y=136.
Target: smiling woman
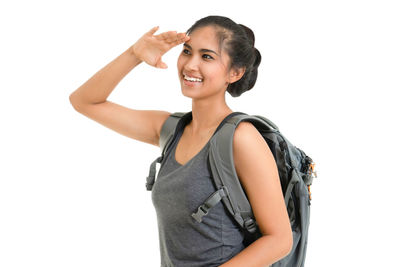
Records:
x=237, y=41
x=218, y=56
x=205, y=70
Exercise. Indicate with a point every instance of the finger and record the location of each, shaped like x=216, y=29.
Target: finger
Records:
x=181, y=38
x=172, y=37
x=162, y=35
x=161, y=65
x=167, y=36
x=153, y=30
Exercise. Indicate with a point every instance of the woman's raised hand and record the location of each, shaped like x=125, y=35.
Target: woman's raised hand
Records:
x=150, y=48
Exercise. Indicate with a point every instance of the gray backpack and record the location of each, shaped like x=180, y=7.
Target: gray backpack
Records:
x=296, y=173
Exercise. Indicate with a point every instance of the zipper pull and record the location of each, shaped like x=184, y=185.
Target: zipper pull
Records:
x=313, y=172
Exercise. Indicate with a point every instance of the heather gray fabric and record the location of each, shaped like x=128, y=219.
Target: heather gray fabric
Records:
x=176, y=194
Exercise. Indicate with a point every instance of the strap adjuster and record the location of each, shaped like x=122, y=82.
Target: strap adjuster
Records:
x=149, y=185
x=213, y=200
x=201, y=211
x=250, y=225
x=152, y=173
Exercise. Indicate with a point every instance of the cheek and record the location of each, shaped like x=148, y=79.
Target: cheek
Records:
x=180, y=62
x=216, y=73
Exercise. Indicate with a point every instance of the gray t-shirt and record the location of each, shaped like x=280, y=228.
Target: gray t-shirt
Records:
x=177, y=192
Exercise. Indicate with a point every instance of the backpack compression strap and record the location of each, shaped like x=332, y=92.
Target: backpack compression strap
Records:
x=168, y=132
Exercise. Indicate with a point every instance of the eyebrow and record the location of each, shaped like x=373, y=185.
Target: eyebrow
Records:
x=201, y=50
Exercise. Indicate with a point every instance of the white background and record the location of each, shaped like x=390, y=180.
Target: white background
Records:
x=72, y=191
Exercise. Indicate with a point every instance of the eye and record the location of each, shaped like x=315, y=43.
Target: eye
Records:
x=186, y=51
x=206, y=56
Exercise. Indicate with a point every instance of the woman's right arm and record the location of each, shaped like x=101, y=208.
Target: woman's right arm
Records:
x=90, y=99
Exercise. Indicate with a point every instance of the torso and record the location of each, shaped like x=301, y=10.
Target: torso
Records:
x=177, y=193
x=188, y=146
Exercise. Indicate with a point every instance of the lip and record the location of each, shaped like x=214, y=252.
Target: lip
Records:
x=192, y=76
x=190, y=84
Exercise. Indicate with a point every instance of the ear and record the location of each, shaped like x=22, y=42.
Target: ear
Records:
x=236, y=73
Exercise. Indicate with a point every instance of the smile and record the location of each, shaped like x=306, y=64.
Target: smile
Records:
x=192, y=79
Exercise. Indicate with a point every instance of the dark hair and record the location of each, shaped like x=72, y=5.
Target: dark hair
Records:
x=238, y=41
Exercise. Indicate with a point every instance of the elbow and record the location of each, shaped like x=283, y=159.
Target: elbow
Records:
x=286, y=242
x=280, y=246
x=286, y=237
x=71, y=100
x=288, y=245
x=74, y=102
x=283, y=244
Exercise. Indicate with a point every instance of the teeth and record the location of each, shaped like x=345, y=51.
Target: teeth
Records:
x=192, y=79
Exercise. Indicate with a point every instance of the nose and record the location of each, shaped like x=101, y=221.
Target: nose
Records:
x=192, y=63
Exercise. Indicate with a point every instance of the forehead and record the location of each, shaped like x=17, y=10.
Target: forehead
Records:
x=204, y=37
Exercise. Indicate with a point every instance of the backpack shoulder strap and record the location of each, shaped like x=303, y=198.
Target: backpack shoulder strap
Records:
x=224, y=172
x=168, y=128
x=168, y=131
x=222, y=162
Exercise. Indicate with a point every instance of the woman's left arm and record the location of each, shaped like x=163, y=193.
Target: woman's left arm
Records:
x=258, y=174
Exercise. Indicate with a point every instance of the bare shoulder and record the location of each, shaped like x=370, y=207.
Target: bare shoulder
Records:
x=250, y=150
x=253, y=159
x=248, y=138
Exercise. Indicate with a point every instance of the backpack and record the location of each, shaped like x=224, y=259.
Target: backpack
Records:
x=296, y=173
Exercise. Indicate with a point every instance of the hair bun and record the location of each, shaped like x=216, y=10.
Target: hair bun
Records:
x=257, y=59
x=249, y=33
x=249, y=78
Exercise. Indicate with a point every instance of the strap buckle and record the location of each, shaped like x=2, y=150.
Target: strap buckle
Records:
x=149, y=185
x=201, y=211
x=213, y=200
x=250, y=225
x=152, y=173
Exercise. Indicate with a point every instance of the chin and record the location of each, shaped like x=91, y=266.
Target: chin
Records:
x=187, y=92
x=197, y=92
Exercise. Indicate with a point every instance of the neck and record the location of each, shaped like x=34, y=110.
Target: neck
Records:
x=207, y=114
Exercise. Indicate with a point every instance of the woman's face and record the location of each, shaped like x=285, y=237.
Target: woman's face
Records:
x=202, y=65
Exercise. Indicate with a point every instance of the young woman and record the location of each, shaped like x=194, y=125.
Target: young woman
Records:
x=218, y=56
